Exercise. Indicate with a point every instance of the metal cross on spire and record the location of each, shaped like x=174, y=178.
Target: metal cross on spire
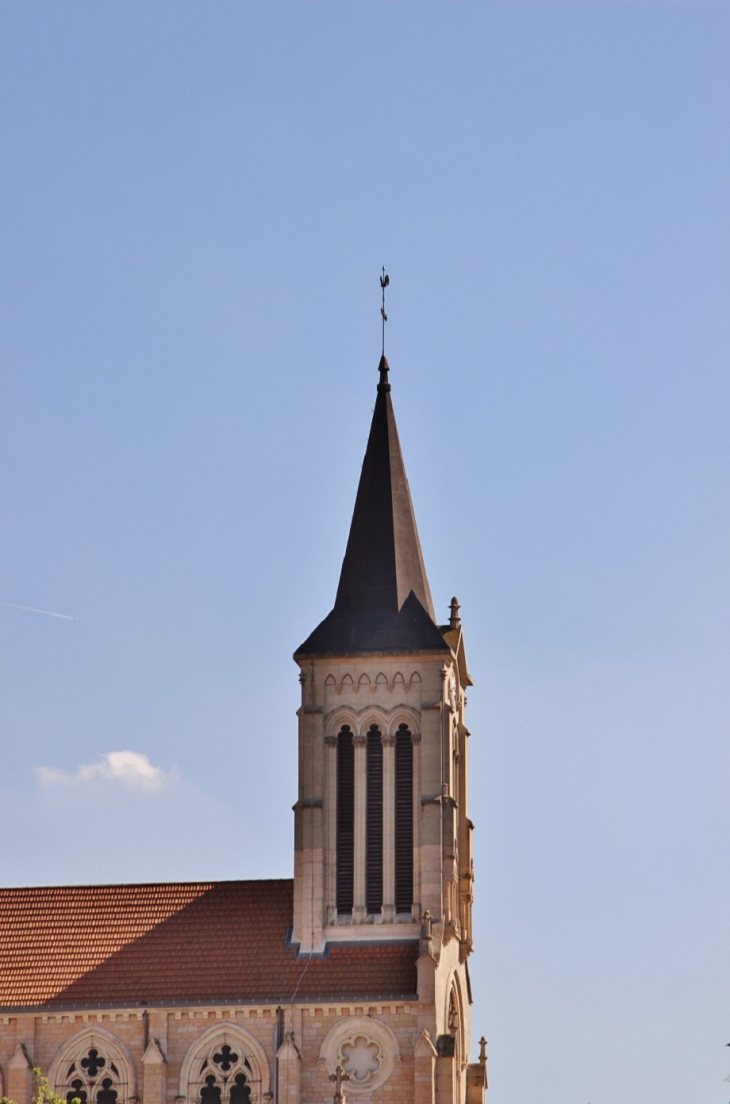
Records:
x=384, y=281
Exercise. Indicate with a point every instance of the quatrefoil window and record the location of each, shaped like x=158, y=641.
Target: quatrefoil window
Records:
x=93, y=1063
x=225, y=1058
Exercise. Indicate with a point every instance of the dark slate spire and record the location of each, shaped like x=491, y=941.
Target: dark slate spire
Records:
x=383, y=562
x=383, y=599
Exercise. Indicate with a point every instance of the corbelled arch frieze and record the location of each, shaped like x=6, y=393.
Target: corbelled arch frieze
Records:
x=355, y=683
x=360, y=720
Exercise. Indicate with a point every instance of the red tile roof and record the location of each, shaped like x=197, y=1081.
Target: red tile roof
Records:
x=206, y=942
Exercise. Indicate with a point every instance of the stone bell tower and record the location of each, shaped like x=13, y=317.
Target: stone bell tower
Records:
x=361, y=977
x=382, y=834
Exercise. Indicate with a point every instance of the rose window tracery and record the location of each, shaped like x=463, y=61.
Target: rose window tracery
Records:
x=361, y=1058
x=365, y=1048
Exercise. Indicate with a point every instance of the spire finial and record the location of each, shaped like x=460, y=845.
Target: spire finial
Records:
x=384, y=367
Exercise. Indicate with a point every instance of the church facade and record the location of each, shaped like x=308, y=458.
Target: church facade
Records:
x=353, y=977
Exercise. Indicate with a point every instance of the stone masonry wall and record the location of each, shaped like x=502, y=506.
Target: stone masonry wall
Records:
x=42, y=1035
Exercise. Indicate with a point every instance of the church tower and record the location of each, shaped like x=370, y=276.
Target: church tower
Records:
x=351, y=979
x=382, y=832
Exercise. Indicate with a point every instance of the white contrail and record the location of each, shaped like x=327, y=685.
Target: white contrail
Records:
x=32, y=609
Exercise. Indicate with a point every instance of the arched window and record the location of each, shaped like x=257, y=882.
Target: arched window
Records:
x=224, y=1066
x=92, y=1068
x=345, y=820
x=455, y=1027
x=224, y=1076
x=454, y=1023
x=403, y=820
x=374, y=822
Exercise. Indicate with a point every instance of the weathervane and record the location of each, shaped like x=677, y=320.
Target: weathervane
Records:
x=384, y=281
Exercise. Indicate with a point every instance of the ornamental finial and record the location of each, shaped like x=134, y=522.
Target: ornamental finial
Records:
x=338, y=1077
x=455, y=618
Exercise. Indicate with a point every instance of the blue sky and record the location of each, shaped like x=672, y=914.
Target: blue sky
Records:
x=197, y=200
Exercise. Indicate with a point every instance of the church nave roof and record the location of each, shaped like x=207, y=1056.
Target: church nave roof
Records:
x=166, y=944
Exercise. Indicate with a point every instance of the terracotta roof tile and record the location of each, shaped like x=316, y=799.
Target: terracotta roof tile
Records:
x=192, y=942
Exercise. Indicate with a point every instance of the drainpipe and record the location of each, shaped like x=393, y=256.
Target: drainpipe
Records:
x=278, y=1039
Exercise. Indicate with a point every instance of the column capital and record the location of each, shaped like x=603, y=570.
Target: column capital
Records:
x=388, y=740
x=359, y=741
x=330, y=741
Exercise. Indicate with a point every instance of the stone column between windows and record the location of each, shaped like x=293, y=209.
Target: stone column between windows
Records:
x=20, y=1071
x=154, y=1066
x=331, y=829
x=447, y=1081
x=388, y=828
x=290, y=1071
x=359, y=912
x=424, y=1055
x=417, y=809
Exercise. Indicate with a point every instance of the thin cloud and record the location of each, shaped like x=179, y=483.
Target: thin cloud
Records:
x=129, y=769
x=32, y=609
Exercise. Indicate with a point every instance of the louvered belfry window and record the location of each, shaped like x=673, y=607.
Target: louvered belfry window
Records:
x=345, y=819
x=403, y=820
x=374, y=822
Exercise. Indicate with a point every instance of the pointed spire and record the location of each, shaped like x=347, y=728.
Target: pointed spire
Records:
x=383, y=599
x=383, y=561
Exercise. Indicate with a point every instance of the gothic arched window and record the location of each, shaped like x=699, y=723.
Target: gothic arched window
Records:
x=455, y=1030
x=345, y=820
x=225, y=1066
x=224, y=1076
x=374, y=821
x=403, y=820
x=92, y=1069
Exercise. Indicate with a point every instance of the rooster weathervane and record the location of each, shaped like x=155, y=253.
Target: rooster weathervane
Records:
x=384, y=281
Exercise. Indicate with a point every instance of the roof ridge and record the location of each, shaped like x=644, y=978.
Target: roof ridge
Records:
x=145, y=885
